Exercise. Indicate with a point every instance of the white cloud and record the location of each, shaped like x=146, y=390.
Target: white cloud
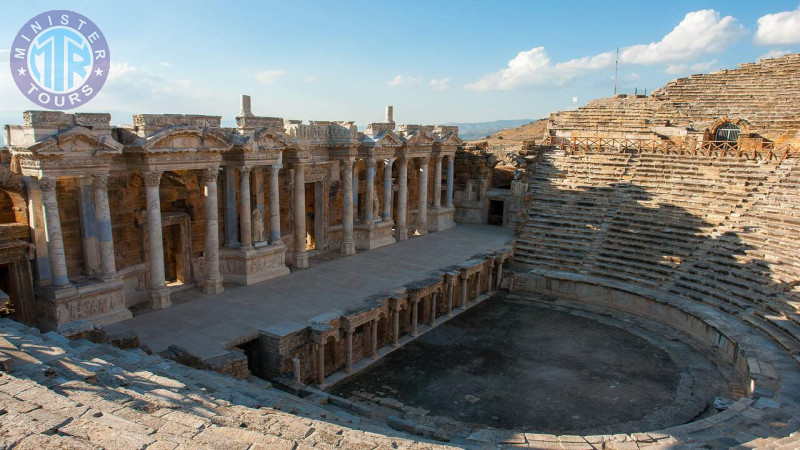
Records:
x=165, y=64
x=774, y=53
x=5, y=50
x=441, y=84
x=119, y=70
x=781, y=28
x=404, y=80
x=310, y=79
x=698, y=34
x=633, y=76
x=269, y=76
x=703, y=66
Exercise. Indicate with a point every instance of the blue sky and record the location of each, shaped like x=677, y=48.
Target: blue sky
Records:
x=435, y=61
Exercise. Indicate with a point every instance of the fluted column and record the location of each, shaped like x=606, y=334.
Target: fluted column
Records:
x=401, y=229
x=437, y=181
x=105, y=238
x=387, y=190
x=450, y=170
x=213, y=278
x=55, y=241
x=300, y=254
x=369, y=195
x=348, y=364
x=274, y=205
x=246, y=236
x=422, y=220
x=348, y=241
x=159, y=293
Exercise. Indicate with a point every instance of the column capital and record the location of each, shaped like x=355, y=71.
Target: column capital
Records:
x=152, y=179
x=210, y=175
x=299, y=165
x=245, y=170
x=369, y=161
x=438, y=157
x=275, y=168
x=100, y=181
x=47, y=184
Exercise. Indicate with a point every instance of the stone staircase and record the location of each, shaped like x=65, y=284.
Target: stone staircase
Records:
x=60, y=393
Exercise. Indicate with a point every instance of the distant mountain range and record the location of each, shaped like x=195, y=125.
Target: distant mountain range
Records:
x=477, y=130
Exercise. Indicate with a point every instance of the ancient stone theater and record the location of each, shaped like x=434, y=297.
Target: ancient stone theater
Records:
x=630, y=280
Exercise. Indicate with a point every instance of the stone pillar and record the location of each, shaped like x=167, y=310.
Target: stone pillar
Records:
x=437, y=181
x=55, y=242
x=434, y=297
x=369, y=195
x=355, y=190
x=159, y=294
x=401, y=229
x=396, y=325
x=348, y=241
x=450, y=171
x=88, y=225
x=414, y=314
x=489, y=281
x=499, y=272
x=387, y=190
x=464, y=289
x=257, y=188
x=213, y=278
x=321, y=362
x=38, y=225
x=274, y=205
x=231, y=221
x=105, y=237
x=422, y=220
x=246, y=237
x=450, y=286
x=348, y=364
x=300, y=254
x=374, y=353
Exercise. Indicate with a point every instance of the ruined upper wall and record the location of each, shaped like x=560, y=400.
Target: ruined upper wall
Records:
x=764, y=96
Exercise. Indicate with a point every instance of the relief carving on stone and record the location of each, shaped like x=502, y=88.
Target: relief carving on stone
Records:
x=257, y=223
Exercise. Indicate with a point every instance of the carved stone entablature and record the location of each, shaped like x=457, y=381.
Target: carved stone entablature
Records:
x=351, y=321
x=188, y=138
x=386, y=142
x=147, y=125
x=75, y=142
x=317, y=132
x=295, y=155
x=269, y=124
x=317, y=172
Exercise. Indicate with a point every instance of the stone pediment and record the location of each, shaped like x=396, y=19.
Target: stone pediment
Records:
x=388, y=139
x=188, y=138
x=270, y=141
x=420, y=138
x=450, y=139
x=76, y=142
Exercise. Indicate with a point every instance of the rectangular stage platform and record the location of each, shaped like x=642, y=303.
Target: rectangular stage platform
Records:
x=207, y=324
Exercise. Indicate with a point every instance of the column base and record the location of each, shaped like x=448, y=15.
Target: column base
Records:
x=301, y=260
x=246, y=267
x=159, y=298
x=213, y=286
x=401, y=234
x=348, y=248
x=369, y=236
x=441, y=218
x=101, y=303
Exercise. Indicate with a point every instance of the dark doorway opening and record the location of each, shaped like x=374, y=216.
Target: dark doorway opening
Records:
x=496, y=212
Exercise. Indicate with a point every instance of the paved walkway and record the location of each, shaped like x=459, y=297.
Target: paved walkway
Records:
x=206, y=324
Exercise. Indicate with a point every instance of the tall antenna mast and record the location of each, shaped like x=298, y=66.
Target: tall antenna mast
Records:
x=616, y=69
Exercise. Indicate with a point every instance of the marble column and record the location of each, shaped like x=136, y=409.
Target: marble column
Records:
x=88, y=225
x=355, y=191
x=348, y=240
x=434, y=297
x=414, y=314
x=437, y=181
x=159, y=294
x=38, y=224
x=396, y=326
x=387, y=190
x=422, y=219
x=246, y=237
x=213, y=278
x=274, y=205
x=348, y=364
x=321, y=362
x=374, y=349
x=450, y=170
x=300, y=254
x=464, y=289
x=55, y=241
x=369, y=195
x=231, y=221
x=105, y=238
x=499, y=272
x=401, y=229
